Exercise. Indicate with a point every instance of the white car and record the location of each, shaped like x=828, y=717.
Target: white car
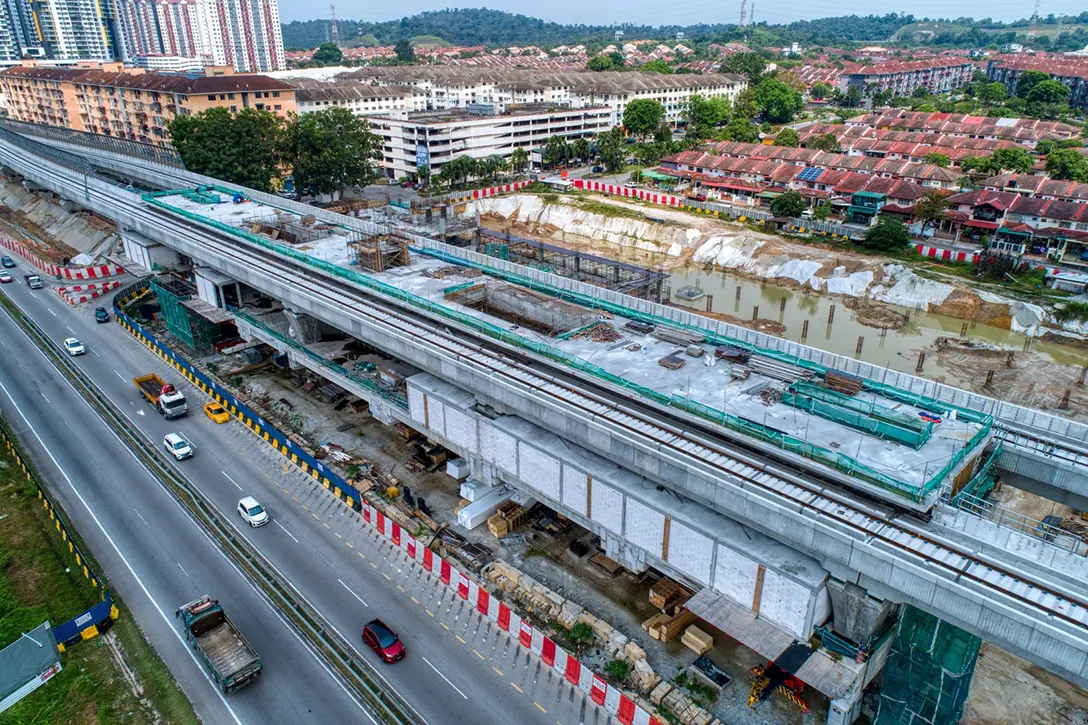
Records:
x=177, y=446
x=252, y=512
x=74, y=347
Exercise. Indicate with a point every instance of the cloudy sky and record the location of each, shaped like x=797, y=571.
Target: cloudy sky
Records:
x=684, y=12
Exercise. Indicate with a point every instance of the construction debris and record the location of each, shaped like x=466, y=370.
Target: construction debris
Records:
x=673, y=361
x=677, y=336
x=739, y=372
x=844, y=383
x=597, y=332
x=770, y=395
x=452, y=270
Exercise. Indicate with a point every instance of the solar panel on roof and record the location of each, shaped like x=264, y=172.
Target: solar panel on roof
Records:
x=810, y=173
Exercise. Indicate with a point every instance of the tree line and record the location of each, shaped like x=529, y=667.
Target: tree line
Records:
x=325, y=152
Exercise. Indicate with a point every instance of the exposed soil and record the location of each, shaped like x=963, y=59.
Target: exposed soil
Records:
x=1007, y=690
x=874, y=314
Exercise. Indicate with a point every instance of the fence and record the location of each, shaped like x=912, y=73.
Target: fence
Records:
x=159, y=154
x=89, y=623
x=289, y=448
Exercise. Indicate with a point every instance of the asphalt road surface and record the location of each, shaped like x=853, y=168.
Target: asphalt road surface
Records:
x=460, y=667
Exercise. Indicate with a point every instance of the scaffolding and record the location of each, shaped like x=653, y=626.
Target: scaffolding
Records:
x=282, y=227
x=928, y=673
x=385, y=249
x=196, y=332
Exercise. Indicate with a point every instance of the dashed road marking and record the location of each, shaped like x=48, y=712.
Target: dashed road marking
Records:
x=477, y=654
x=415, y=600
x=498, y=671
x=460, y=639
x=444, y=625
x=539, y=707
x=515, y=686
x=429, y=613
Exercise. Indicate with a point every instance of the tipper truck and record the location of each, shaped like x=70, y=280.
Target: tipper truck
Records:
x=226, y=653
x=168, y=400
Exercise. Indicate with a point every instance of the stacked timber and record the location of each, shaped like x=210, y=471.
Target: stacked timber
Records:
x=697, y=640
x=841, y=382
x=666, y=594
x=677, y=336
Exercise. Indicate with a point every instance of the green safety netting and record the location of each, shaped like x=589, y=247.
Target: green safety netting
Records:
x=840, y=462
x=859, y=414
x=928, y=672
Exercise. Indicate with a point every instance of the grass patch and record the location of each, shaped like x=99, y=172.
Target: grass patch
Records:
x=607, y=210
x=618, y=670
x=1072, y=311
x=39, y=580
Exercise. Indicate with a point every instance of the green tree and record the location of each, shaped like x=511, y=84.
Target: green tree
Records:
x=920, y=92
x=618, y=61
x=992, y=93
x=1028, y=80
x=853, y=97
x=750, y=65
x=330, y=151
x=1067, y=164
x=822, y=211
x=787, y=137
x=741, y=129
x=599, y=63
x=887, y=235
x=778, y=102
x=663, y=135
x=241, y=149
x=1048, y=91
x=405, y=52
x=327, y=54
x=745, y=104
x=519, y=159
x=657, y=66
x=930, y=209
x=642, y=116
x=611, y=150
x=825, y=142
x=581, y=635
x=704, y=114
x=820, y=91
x=1015, y=159
x=790, y=204
x=579, y=149
x=556, y=150
x=937, y=160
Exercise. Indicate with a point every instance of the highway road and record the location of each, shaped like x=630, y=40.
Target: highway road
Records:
x=460, y=666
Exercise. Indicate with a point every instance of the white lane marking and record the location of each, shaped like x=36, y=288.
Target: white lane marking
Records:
x=51, y=312
x=120, y=376
x=3, y=343
x=277, y=523
x=142, y=519
x=95, y=352
x=445, y=678
x=70, y=329
x=43, y=395
x=232, y=480
x=143, y=587
x=349, y=589
x=183, y=570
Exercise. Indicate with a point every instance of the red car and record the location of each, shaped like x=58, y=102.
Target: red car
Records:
x=384, y=641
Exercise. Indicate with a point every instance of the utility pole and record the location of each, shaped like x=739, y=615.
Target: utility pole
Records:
x=1034, y=20
x=335, y=31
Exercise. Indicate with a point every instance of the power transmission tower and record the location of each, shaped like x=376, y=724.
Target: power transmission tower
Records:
x=752, y=14
x=335, y=31
x=1034, y=20
x=743, y=12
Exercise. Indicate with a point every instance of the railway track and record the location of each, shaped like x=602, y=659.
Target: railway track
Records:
x=653, y=429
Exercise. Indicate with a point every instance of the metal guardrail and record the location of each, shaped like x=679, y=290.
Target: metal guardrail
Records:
x=335, y=651
x=159, y=154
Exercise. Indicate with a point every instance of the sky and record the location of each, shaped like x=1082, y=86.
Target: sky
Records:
x=684, y=12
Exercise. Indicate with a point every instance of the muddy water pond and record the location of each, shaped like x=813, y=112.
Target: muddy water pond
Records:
x=898, y=349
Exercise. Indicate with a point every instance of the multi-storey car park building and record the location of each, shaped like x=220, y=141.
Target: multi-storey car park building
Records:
x=448, y=87
x=433, y=138
x=130, y=103
x=937, y=75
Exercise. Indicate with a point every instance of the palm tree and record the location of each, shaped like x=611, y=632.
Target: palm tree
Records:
x=556, y=149
x=519, y=159
x=580, y=149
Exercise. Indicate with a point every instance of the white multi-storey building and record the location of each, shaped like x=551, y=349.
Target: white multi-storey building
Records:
x=362, y=99
x=433, y=138
x=178, y=27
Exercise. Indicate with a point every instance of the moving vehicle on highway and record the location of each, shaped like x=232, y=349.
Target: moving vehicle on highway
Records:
x=168, y=400
x=216, y=412
x=7, y=262
x=252, y=512
x=33, y=281
x=177, y=446
x=74, y=346
x=5, y=277
x=383, y=640
x=230, y=659
x=101, y=315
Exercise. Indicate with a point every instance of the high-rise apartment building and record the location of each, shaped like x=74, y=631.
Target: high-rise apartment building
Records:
x=244, y=34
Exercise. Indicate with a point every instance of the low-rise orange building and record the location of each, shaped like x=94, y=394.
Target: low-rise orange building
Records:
x=132, y=103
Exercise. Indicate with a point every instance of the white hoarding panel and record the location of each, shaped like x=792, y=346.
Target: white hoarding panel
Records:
x=415, y=405
x=735, y=576
x=461, y=430
x=574, y=489
x=690, y=551
x=498, y=447
x=784, y=602
x=436, y=415
x=539, y=470
x=645, y=527
x=607, y=507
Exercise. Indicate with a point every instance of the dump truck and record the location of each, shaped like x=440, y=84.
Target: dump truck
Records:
x=229, y=658
x=168, y=400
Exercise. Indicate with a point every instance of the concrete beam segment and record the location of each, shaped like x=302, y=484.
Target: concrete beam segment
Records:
x=1044, y=474
x=880, y=570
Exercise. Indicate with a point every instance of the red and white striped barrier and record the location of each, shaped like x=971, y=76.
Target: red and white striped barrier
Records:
x=85, y=293
x=947, y=255
x=644, y=194
x=500, y=189
x=53, y=270
x=612, y=699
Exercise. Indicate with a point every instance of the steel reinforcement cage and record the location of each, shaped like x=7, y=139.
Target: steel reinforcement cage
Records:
x=840, y=462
